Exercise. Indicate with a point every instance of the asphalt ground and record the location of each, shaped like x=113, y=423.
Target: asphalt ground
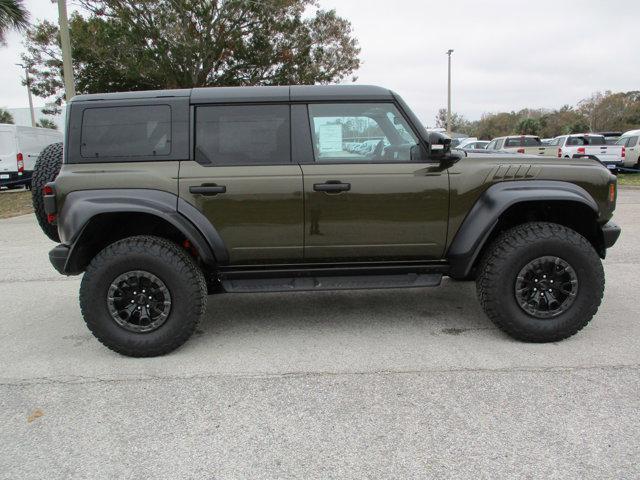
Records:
x=352, y=384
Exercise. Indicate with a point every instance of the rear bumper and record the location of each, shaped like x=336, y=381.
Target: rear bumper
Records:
x=14, y=179
x=610, y=233
x=58, y=257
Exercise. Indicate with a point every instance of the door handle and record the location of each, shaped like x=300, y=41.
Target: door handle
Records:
x=208, y=190
x=332, y=186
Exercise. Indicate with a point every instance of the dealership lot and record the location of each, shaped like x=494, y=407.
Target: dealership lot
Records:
x=362, y=384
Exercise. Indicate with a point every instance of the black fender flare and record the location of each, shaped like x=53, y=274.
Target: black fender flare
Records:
x=83, y=205
x=485, y=213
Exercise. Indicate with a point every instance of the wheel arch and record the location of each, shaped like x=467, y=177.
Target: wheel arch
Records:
x=92, y=219
x=507, y=204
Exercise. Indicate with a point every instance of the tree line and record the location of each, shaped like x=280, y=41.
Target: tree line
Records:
x=601, y=112
x=128, y=45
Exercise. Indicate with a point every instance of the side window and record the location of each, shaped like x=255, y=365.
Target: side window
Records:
x=492, y=145
x=499, y=144
x=360, y=132
x=243, y=135
x=633, y=141
x=513, y=142
x=140, y=131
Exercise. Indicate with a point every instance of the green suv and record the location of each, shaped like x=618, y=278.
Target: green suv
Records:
x=164, y=197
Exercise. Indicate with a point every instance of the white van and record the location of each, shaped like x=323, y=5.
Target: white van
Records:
x=19, y=150
x=630, y=148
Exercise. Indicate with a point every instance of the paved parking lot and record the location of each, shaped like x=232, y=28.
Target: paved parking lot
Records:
x=364, y=384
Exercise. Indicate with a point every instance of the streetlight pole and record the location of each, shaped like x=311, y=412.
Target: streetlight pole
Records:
x=65, y=45
x=449, y=52
x=28, y=82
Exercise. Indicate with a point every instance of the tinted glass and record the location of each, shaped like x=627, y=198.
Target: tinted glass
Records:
x=532, y=142
x=632, y=141
x=362, y=132
x=576, y=141
x=243, y=135
x=143, y=131
x=596, y=140
x=513, y=142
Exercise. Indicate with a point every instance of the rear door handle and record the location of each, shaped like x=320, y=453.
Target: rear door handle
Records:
x=208, y=190
x=332, y=186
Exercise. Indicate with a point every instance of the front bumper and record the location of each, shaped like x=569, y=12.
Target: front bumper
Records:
x=58, y=257
x=610, y=233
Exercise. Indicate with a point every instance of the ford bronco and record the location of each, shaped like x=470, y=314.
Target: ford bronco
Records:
x=163, y=197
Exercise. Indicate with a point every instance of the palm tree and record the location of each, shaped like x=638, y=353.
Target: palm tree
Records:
x=5, y=116
x=13, y=16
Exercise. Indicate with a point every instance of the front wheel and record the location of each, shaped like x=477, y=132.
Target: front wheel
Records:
x=540, y=282
x=143, y=296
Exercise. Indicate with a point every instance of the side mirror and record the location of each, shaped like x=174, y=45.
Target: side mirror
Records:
x=440, y=149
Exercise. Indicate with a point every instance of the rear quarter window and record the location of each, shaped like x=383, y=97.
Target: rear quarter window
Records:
x=126, y=131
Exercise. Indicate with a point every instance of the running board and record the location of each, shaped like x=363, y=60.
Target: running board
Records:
x=335, y=282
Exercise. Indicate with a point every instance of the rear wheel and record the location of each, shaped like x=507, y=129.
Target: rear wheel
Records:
x=540, y=282
x=143, y=296
x=46, y=170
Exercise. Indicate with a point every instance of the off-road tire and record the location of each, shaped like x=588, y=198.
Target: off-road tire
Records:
x=515, y=248
x=165, y=260
x=46, y=170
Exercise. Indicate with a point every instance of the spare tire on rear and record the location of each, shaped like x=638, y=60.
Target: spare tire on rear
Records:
x=46, y=170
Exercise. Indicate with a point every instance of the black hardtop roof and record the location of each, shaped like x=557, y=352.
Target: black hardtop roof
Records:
x=294, y=93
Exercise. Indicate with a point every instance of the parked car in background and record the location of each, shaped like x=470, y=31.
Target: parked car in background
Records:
x=475, y=145
x=464, y=142
x=629, y=149
x=588, y=145
x=529, y=144
x=19, y=150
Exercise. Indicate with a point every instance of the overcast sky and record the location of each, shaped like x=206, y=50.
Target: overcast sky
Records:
x=508, y=55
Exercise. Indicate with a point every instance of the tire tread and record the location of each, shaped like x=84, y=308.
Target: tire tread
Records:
x=520, y=237
x=184, y=267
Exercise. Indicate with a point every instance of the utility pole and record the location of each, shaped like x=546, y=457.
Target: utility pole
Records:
x=28, y=82
x=65, y=45
x=449, y=52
